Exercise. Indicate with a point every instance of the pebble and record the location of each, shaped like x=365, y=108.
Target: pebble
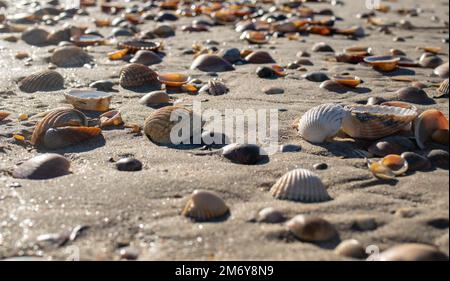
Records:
x=364, y=224
x=129, y=165
x=272, y=90
x=129, y=253
x=439, y=158
x=265, y=72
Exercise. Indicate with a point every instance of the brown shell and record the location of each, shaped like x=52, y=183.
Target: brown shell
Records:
x=205, y=205
x=136, y=75
x=311, y=229
x=70, y=56
x=55, y=138
x=47, y=80
x=44, y=166
x=57, y=36
x=413, y=95
x=259, y=57
x=35, y=36
x=146, y=58
x=211, y=63
x=135, y=45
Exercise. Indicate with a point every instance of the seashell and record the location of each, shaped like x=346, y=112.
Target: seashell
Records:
x=60, y=35
x=246, y=154
x=427, y=123
x=265, y=72
x=85, y=40
x=413, y=252
x=173, y=79
x=272, y=90
x=321, y=123
x=47, y=80
x=300, y=185
x=399, y=104
x=285, y=27
x=442, y=70
x=383, y=63
x=44, y=166
x=158, y=126
x=55, y=138
x=333, y=86
x=304, y=61
x=439, y=158
x=211, y=63
x=270, y=215
x=164, y=31
x=316, y=76
x=375, y=101
x=416, y=162
x=322, y=47
x=303, y=54
x=135, y=45
x=380, y=171
x=62, y=117
x=155, y=98
x=442, y=90
x=349, y=81
x=146, y=58
x=259, y=57
x=102, y=85
x=136, y=75
x=118, y=55
x=397, y=52
x=129, y=164
x=70, y=56
x=89, y=100
x=376, y=121
x=111, y=118
x=231, y=55
x=395, y=163
x=391, y=145
x=430, y=61
x=440, y=136
x=224, y=17
x=311, y=229
x=351, y=248
x=35, y=36
x=413, y=95
x=214, y=88
x=204, y=206
x=255, y=37
x=3, y=115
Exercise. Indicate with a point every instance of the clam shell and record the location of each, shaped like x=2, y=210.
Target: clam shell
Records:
x=214, y=88
x=35, y=36
x=164, y=31
x=246, y=154
x=321, y=122
x=155, y=98
x=333, y=86
x=173, y=79
x=442, y=70
x=442, y=90
x=211, y=63
x=57, y=118
x=44, y=166
x=47, y=80
x=316, y=76
x=259, y=57
x=205, y=205
x=55, y=138
x=427, y=123
x=376, y=121
x=413, y=95
x=231, y=55
x=311, y=229
x=383, y=63
x=136, y=75
x=89, y=100
x=395, y=163
x=136, y=45
x=413, y=252
x=300, y=185
x=351, y=248
x=146, y=58
x=111, y=118
x=70, y=56
x=270, y=215
x=430, y=61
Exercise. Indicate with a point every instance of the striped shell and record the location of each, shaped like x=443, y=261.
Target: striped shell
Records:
x=58, y=118
x=136, y=75
x=211, y=63
x=321, y=122
x=300, y=185
x=44, y=166
x=47, y=80
x=442, y=90
x=205, y=205
x=259, y=57
x=70, y=56
x=376, y=121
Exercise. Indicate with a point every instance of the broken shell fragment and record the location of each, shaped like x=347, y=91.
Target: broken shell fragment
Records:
x=246, y=154
x=413, y=252
x=136, y=75
x=118, y=55
x=214, y=88
x=351, y=248
x=442, y=90
x=111, y=118
x=173, y=79
x=395, y=163
x=300, y=185
x=55, y=138
x=44, y=166
x=204, y=206
x=383, y=63
x=45, y=81
x=211, y=63
x=311, y=229
x=255, y=37
x=89, y=100
x=428, y=123
x=155, y=98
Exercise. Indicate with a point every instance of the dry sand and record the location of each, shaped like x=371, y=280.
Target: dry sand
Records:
x=142, y=209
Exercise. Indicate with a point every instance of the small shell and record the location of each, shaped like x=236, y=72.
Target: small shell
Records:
x=44, y=166
x=350, y=81
x=391, y=145
x=111, y=118
x=136, y=75
x=255, y=37
x=322, y=47
x=351, y=248
x=211, y=63
x=383, y=63
x=60, y=35
x=164, y=31
x=89, y=100
x=155, y=98
x=3, y=115
x=427, y=123
x=55, y=138
x=246, y=154
x=413, y=95
x=118, y=55
x=214, y=88
x=173, y=79
x=430, y=61
x=399, y=104
x=316, y=76
x=321, y=123
x=395, y=163
x=70, y=56
x=376, y=121
x=146, y=58
x=232, y=55
x=205, y=205
x=47, y=80
x=311, y=229
x=333, y=86
x=259, y=57
x=85, y=40
x=442, y=90
x=270, y=215
x=102, y=85
x=136, y=45
x=413, y=252
x=416, y=162
x=35, y=36
x=300, y=185
x=442, y=70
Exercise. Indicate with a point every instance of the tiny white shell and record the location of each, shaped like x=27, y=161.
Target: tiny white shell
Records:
x=300, y=185
x=321, y=122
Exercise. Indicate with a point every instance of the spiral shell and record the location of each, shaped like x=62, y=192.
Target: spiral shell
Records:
x=47, y=80
x=321, y=122
x=55, y=138
x=44, y=166
x=205, y=205
x=136, y=75
x=70, y=56
x=211, y=63
x=146, y=58
x=300, y=185
x=259, y=57
x=35, y=36
x=376, y=121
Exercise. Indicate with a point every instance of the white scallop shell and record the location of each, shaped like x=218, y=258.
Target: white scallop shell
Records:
x=300, y=185
x=321, y=122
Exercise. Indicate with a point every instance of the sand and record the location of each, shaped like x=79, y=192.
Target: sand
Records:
x=142, y=209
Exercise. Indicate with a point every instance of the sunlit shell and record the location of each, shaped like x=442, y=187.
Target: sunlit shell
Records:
x=155, y=98
x=205, y=205
x=35, y=36
x=430, y=61
x=442, y=90
x=442, y=70
x=89, y=99
x=118, y=55
x=70, y=56
x=413, y=95
x=311, y=228
x=245, y=154
x=211, y=63
x=413, y=252
x=136, y=45
x=215, y=88
x=321, y=123
x=427, y=123
x=55, y=138
x=376, y=121
x=383, y=63
x=333, y=86
x=158, y=126
x=259, y=57
x=399, y=104
x=351, y=248
x=416, y=162
x=300, y=185
x=111, y=118
x=391, y=145
x=350, y=81
x=85, y=40
x=3, y=115
x=255, y=37
x=395, y=163
x=44, y=166
x=224, y=17
x=380, y=171
x=146, y=58
x=58, y=118
x=47, y=80
x=136, y=75
x=173, y=79
x=270, y=215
